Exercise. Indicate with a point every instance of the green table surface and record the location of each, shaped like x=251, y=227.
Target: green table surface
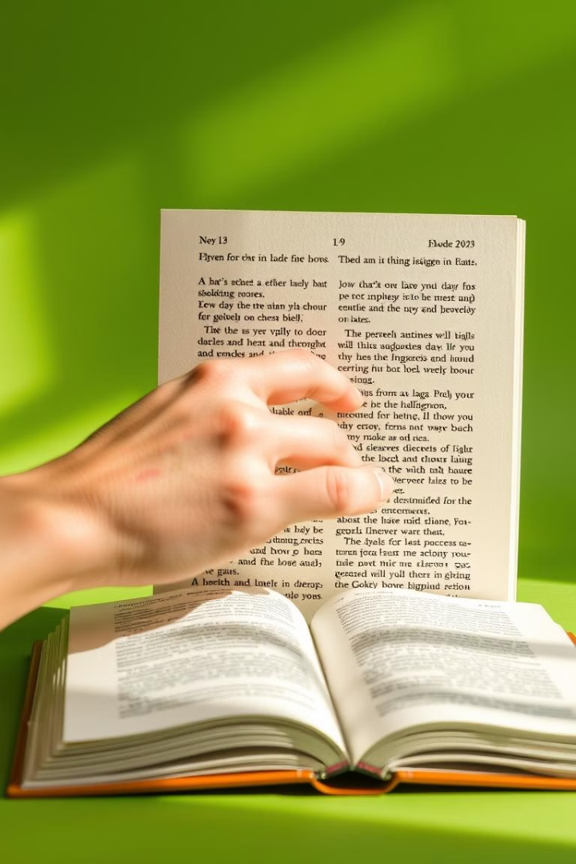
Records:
x=439, y=825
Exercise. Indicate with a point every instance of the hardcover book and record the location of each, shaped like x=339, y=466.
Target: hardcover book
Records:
x=194, y=690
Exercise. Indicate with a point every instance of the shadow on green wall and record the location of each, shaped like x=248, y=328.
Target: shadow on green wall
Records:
x=109, y=115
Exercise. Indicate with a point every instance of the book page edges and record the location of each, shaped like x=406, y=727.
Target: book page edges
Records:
x=17, y=771
x=256, y=779
x=519, y=299
x=15, y=789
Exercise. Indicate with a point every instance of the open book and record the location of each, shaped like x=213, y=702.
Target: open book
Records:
x=190, y=690
x=424, y=314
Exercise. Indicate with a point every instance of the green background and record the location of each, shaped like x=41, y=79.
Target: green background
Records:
x=110, y=111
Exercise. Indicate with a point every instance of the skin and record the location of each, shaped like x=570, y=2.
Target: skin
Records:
x=183, y=480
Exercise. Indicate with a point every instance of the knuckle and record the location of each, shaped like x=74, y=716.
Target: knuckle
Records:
x=338, y=489
x=303, y=360
x=209, y=372
x=304, y=355
x=235, y=423
x=244, y=501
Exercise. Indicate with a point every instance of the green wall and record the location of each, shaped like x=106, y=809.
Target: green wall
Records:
x=110, y=111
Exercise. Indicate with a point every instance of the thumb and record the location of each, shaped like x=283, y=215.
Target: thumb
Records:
x=332, y=490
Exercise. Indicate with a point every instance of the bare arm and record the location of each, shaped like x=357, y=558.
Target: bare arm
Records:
x=184, y=480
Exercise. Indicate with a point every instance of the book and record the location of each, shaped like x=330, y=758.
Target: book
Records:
x=424, y=314
x=194, y=690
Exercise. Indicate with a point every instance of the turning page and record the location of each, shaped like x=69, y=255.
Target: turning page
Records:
x=156, y=663
x=424, y=315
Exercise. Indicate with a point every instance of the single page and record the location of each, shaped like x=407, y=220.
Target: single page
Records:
x=397, y=660
x=424, y=315
x=155, y=663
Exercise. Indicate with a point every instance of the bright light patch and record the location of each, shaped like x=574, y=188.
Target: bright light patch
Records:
x=371, y=81
x=25, y=357
x=323, y=103
x=55, y=440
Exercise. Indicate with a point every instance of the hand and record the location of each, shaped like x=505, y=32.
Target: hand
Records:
x=186, y=478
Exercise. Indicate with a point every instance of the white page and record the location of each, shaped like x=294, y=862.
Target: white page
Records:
x=184, y=657
x=395, y=660
x=424, y=314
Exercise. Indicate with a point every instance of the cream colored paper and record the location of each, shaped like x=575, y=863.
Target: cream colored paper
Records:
x=481, y=676
x=424, y=314
x=186, y=658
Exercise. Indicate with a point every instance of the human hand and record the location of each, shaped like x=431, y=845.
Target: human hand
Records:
x=186, y=478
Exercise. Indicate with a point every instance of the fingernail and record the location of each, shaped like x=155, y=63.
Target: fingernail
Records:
x=385, y=482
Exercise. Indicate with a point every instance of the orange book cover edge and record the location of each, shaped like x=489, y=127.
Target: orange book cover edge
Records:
x=255, y=779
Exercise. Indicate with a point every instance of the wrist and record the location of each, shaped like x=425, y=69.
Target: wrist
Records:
x=49, y=546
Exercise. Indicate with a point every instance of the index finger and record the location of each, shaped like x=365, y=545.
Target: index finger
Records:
x=298, y=374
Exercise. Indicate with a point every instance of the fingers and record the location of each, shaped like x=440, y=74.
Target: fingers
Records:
x=288, y=376
x=330, y=491
x=306, y=442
